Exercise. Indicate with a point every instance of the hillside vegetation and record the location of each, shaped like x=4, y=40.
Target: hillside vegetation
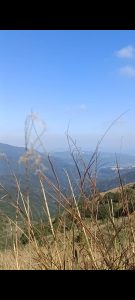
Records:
x=89, y=229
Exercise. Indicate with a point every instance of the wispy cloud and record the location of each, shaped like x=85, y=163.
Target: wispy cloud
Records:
x=127, y=71
x=126, y=52
x=82, y=107
x=75, y=109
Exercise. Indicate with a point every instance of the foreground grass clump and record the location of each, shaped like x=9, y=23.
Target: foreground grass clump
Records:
x=107, y=246
x=70, y=241
x=89, y=230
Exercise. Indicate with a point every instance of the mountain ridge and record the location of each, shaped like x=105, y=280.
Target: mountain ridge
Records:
x=107, y=178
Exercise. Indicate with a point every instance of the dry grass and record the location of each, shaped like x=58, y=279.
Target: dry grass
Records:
x=70, y=251
x=88, y=243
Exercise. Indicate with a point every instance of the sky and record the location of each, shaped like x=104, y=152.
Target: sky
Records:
x=77, y=79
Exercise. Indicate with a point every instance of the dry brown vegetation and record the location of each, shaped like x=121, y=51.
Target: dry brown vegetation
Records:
x=73, y=240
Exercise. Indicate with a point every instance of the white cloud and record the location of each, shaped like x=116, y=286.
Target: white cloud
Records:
x=127, y=52
x=73, y=109
x=127, y=71
x=82, y=107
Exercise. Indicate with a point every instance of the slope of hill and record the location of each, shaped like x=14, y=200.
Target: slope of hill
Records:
x=106, y=177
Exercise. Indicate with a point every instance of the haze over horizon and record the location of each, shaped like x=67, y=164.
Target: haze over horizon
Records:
x=83, y=79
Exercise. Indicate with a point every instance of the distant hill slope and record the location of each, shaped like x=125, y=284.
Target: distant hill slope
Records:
x=106, y=177
x=13, y=154
x=11, y=150
x=118, y=188
x=115, y=202
x=105, y=183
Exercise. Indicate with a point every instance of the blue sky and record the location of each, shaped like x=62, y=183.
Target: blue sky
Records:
x=86, y=78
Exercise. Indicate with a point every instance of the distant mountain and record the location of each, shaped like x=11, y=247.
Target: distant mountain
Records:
x=107, y=176
x=13, y=154
x=112, y=180
x=104, y=159
x=11, y=150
